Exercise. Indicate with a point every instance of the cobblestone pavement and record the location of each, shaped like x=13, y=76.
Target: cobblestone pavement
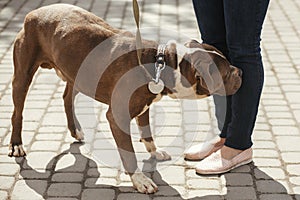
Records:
x=58, y=168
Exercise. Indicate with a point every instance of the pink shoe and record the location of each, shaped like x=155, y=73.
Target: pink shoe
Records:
x=201, y=151
x=215, y=164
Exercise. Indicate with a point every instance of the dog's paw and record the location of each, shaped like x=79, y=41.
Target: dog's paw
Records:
x=143, y=184
x=160, y=155
x=16, y=151
x=79, y=135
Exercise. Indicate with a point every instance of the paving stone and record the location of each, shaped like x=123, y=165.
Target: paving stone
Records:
x=45, y=146
x=270, y=186
x=285, y=130
x=296, y=190
x=203, y=184
x=267, y=162
x=52, y=129
x=275, y=197
x=3, y=195
x=67, y=177
x=71, y=163
x=210, y=194
x=91, y=194
x=29, y=188
x=240, y=193
x=293, y=170
x=238, y=179
x=93, y=172
x=241, y=169
x=54, y=119
x=282, y=122
x=33, y=174
x=133, y=196
x=166, y=191
x=262, y=135
x=168, y=175
x=39, y=160
x=108, y=172
x=64, y=189
x=100, y=182
x=49, y=137
x=8, y=169
x=6, y=182
x=7, y=159
x=295, y=180
x=265, y=153
x=264, y=145
x=288, y=143
x=269, y=173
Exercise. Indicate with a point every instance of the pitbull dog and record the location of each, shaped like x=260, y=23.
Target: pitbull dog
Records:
x=69, y=39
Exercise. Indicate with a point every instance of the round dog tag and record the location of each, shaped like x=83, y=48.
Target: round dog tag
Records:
x=156, y=88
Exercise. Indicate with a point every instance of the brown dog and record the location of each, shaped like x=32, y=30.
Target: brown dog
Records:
x=101, y=62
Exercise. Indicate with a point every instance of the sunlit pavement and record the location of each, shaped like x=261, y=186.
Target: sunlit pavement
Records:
x=58, y=168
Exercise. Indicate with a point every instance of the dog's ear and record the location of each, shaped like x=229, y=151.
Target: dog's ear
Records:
x=211, y=48
x=192, y=44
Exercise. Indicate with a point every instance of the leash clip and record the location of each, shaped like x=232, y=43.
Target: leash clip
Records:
x=160, y=63
x=156, y=86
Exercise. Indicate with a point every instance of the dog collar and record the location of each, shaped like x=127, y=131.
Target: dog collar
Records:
x=156, y=85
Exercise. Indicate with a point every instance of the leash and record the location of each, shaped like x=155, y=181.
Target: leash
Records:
x=156, y=85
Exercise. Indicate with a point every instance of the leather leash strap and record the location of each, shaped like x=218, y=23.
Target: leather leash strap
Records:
x=139, y=45
x=156, y=85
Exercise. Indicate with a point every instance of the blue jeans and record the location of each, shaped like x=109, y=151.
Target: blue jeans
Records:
x=234, y=27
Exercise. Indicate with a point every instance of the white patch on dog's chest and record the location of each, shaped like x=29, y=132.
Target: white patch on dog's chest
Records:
x=182, y=92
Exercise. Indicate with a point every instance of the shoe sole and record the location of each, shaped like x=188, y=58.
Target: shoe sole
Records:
x=226, y=170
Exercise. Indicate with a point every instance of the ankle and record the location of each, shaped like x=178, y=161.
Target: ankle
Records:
x=221, y=142
x=228, y=153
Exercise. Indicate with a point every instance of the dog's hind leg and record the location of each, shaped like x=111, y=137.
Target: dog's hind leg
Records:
x=25, y=67
x=73, y=124
x=146, y=137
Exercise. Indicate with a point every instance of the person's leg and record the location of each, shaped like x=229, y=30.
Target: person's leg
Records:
x=211, y=22
x=244, y=20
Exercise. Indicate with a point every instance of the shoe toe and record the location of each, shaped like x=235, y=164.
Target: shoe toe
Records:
x=198, y=152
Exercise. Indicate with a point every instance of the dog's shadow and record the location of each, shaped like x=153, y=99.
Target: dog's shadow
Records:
x=271, y=189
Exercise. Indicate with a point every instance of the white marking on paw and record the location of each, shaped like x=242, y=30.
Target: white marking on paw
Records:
x=79, y=135
x=143, y=184
x=160, y=155
x=16, y=151
x=150, y=146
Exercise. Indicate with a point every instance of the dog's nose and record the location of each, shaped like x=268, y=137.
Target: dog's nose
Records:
x=240, y=73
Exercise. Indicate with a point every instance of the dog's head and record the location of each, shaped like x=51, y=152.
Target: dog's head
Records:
x=205, y=71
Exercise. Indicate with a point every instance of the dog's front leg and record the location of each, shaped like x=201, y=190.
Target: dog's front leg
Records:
x=120, y=127
x=146, y=137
